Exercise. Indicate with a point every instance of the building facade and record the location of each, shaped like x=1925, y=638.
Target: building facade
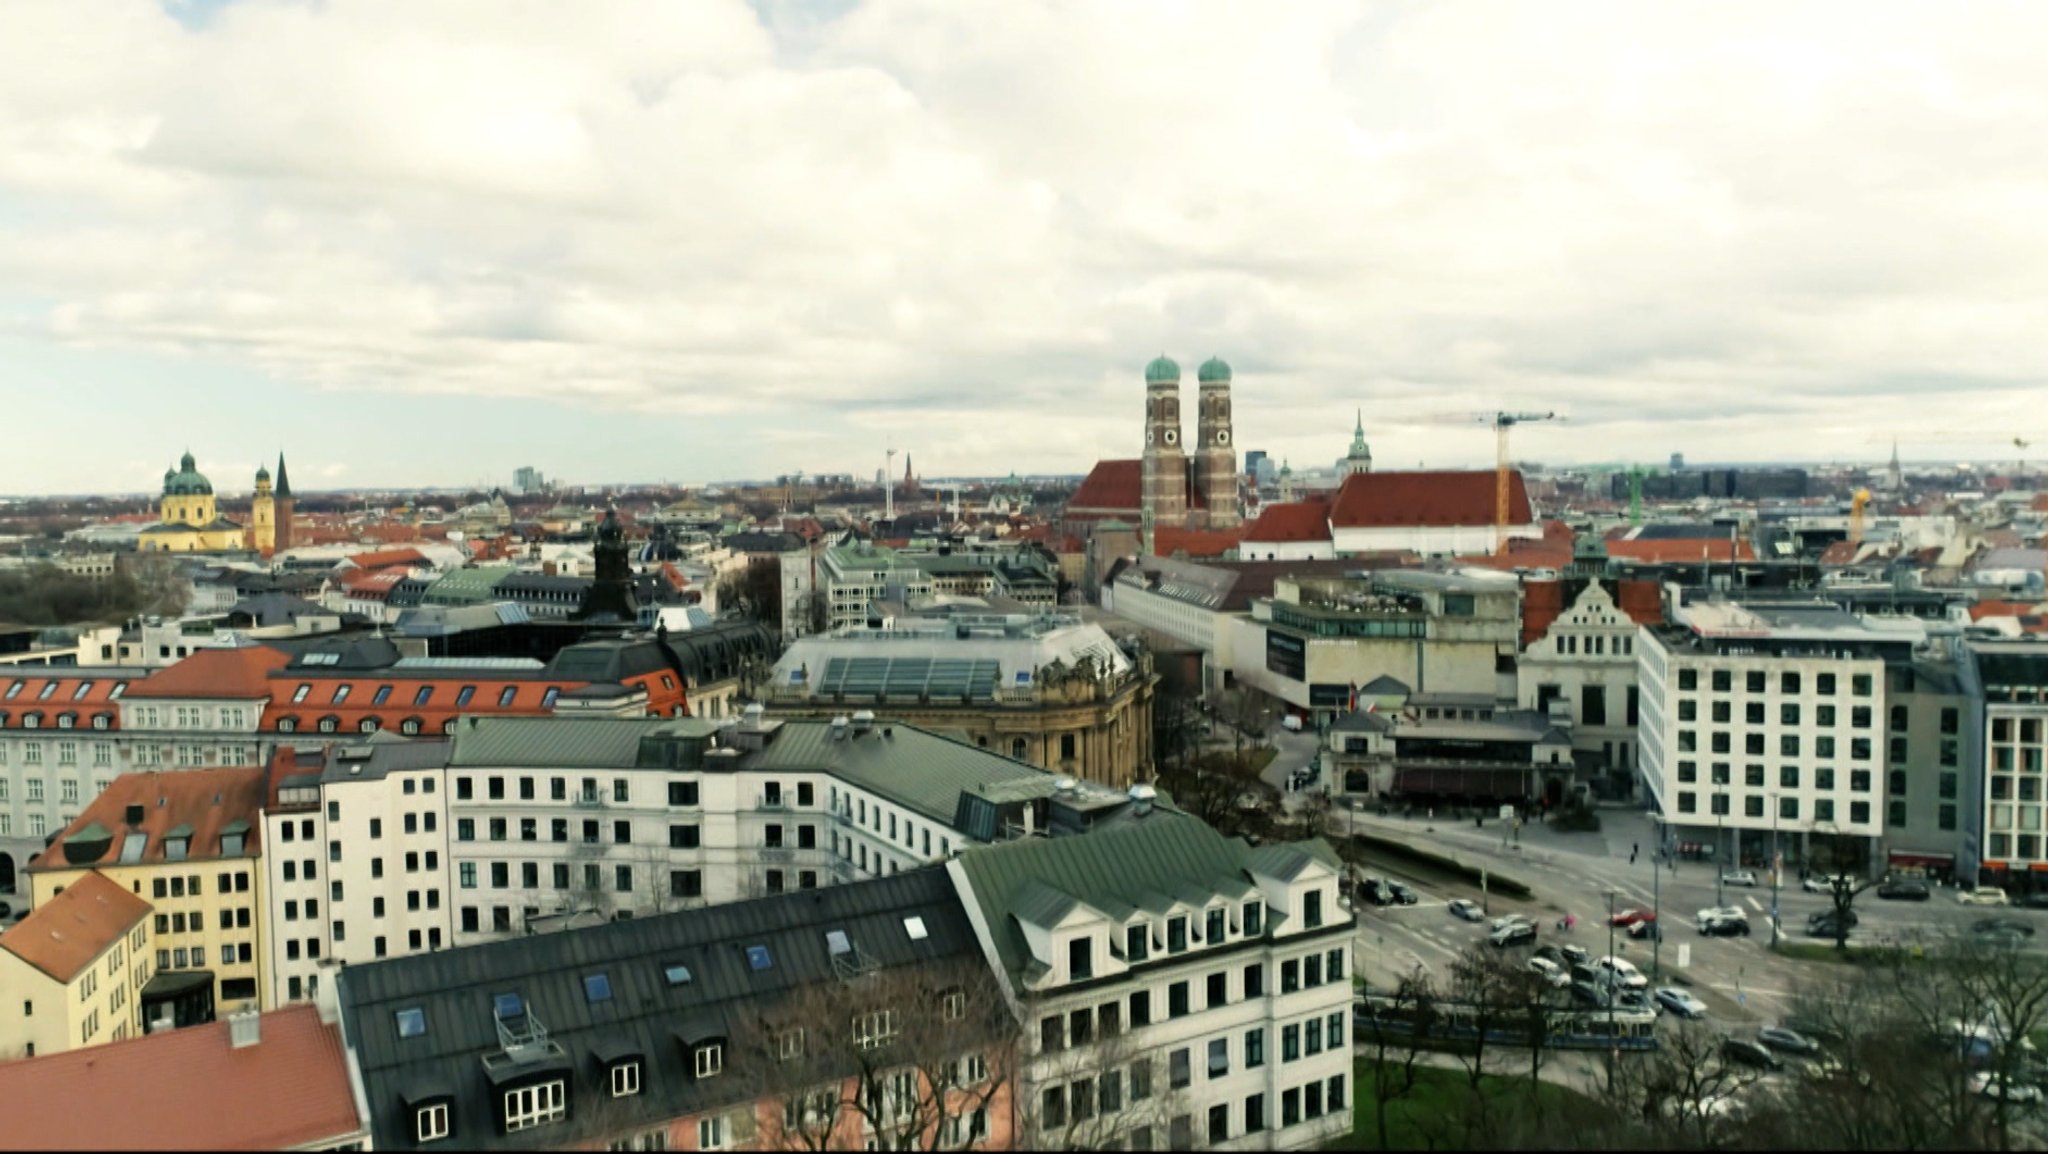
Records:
x=2004, y=752
x=1178, y=990
x=72, y=973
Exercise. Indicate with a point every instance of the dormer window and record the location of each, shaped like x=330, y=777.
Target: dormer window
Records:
x=625, y=1079
x=1254, y=918
x=538, y=1105
x=1137, y=943
x=1176, y=935
x=707, y=1061
x=1212, y=933
x=430, y=1123
x=1080, y=959
x=1312, y=909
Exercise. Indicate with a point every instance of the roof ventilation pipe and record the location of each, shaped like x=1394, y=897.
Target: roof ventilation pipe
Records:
x=839, y=725
x=1142, y=797
x=863, y=720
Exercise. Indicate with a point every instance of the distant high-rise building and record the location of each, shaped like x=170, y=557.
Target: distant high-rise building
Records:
x=1253, y=458
x=528, y=479
x=1677, y=461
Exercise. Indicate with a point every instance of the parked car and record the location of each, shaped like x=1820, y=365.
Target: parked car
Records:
x=1402, y=894
x=1554, y=956
x=1377, y=893
x=1624, y=973
x=1724, y=926
x=1680, y=1002
x=1553, y=975
x=1627, y=999
x=2038, y=900
x=1592, y=995
x=2003, y=936
x=1995, y=925
x=1819, y=883
x=1466, y=909
x=1629, y=917
x=1748, y=1053
x=1817, y=1029
x=1903, y=890
x=1646, y=932
x=1789, y=1041
x=1720, y=912
x=1513, y=934
x=1983, y=896
x=1504, y=921
x=1991, y=1085
x=1576, y=955
x=1738, y=878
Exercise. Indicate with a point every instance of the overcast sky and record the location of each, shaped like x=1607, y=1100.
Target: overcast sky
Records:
x=422, y=242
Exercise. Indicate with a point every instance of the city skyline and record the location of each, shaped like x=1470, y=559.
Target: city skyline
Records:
x=729, y=240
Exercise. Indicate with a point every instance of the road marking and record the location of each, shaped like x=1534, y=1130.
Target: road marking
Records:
x=1755, y=904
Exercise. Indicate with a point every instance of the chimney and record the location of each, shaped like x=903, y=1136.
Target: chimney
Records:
x=244, y=1029
x=863, y=720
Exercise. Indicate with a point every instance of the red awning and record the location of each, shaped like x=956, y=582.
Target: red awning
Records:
x=1902, y=858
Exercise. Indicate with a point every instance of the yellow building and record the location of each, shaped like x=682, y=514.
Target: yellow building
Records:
x=187, y=842
x=189, y=520
x=72, y=973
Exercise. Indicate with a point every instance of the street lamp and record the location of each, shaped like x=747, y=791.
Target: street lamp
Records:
x=1720, y=866
x=1777, y=871
x=1611, y=976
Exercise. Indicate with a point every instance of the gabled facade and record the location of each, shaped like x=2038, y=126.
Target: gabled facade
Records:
x=1585, y=665
x=73, y=971
x=1178, y=989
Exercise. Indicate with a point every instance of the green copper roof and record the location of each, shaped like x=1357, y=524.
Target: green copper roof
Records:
x=562, y=742
x=187, y=481
x=915, y=768
x=467, y=586
x=1162, y=370
x=1139, y=865
x=1213, y=372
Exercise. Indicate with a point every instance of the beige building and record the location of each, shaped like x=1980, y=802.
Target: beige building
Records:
x=187, y=842
x=72, y=972
x=1045, y=689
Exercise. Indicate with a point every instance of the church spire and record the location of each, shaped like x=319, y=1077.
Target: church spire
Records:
x=284, y=483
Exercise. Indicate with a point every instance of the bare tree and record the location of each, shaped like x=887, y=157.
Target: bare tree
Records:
x=1842, y=855
x=916, y=1059
x=1395, y=1027
x=1683, y=1095
x=1095, y=1090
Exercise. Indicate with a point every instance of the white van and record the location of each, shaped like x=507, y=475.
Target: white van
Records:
x=1290, y=723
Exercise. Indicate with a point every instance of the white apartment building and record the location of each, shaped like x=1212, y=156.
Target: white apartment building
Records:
x=2005, y=842
x=388, y=847
x=1178, y=990
x=356, y=849
x=1762, y=720
x=853, y=576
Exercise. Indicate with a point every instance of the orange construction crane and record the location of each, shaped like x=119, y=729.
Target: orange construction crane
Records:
x=1856, y=505
x=1502, y=422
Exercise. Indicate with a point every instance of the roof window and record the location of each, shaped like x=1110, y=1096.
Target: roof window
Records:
x=425, y=695
x=341, y=693
x=508, y=1007
x=15, y=688
x=677, y=974
x=597, y=987
x=412, y=1022
x=49, y=687
x=120, y=687
x=759, y=959
x=84, y=687
x=914, y=926
x=382, y=695
x=505, y=698
x=837, y=943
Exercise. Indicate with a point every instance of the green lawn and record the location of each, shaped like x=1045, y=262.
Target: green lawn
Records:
x=1824, y=951
x=1429, y=1113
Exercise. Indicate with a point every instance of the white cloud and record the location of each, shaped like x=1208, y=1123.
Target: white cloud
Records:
x=964, y=227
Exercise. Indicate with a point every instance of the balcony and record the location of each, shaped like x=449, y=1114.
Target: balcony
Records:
x=589, y=801
x=774, y=804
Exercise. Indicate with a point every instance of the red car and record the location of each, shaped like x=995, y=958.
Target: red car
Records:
x=1627, y=918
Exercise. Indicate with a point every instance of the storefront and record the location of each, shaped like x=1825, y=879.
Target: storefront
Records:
x=1939, y=868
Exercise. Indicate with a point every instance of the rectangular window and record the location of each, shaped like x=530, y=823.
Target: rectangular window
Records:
x=1254, y=1048
x=1218, y=990
x=532, y=1106
x=1290, y=1043
x=1178, y=1070
x=1219, y=1057
x=1141, y=1008
x=1137, y=939
x=1177, y=1000
x=1255, y=980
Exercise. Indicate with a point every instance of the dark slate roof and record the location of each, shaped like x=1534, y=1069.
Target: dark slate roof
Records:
x=266, y=610
x=454, y=990
x=759, y=542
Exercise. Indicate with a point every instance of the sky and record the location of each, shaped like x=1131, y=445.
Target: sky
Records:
x=422, y=244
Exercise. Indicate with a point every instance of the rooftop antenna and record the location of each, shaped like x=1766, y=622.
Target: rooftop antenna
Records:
x=889, y=485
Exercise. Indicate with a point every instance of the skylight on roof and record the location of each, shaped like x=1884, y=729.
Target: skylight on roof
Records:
x=597, y=987
x=508, y=1005
x=412, y=1023
x=914, y=926
x=132, y=847
x=758, y=958
x=677, y=974
x=835, y=941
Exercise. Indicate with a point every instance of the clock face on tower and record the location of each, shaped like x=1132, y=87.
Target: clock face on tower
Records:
x=1172, y=436
x=1223, y=436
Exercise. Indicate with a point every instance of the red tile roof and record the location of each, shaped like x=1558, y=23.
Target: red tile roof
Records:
x=98, y=697
x=386, y=558
x=375, y=582
x=1116, y=486
x=1643, y=601
x=1427, y=499
x=1983, y=609
x=529, y=698
x=1542, y=605
x=206, y=800
x=70, y=931
x=1194, y=543
x=187, y=1089
x=232, y=674
x=1665, y=550
x=1296, y=521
